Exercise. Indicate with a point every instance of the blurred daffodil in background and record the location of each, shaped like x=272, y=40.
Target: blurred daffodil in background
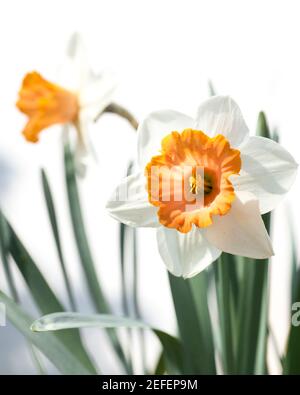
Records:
x=78, y=97
x=217, y=209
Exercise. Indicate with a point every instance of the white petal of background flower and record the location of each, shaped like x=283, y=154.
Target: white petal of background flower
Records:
x=268, y=171
x=95, y=90
x=221, y=115
x=129, y=203
x=155, y=127
x=185, y=254
x=97, y=93
x=74, y=66
x=241, y=231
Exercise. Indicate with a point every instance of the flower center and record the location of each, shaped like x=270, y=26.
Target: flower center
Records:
x=45, y=104
x=199, y=184
x=189, y=181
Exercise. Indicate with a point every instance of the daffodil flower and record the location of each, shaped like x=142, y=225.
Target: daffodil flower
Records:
x=199, y=214
x=76, y=99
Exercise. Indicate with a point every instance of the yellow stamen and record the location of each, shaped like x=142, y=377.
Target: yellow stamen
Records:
x=45, y=104
x=198, y=184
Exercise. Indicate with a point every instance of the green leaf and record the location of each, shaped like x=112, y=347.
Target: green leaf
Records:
x=47, y=343
x=58, y=321
x=197, y=356
x=262, y=128
x=55, y=230
x=253, y=310
x=122, y=238
x=173, y=354
x=80, y=234
x=43, y=295
x=211, y=88
x=263, y=333
x=83, y=247
x=4, y=248
x=129, y=273
x=135, y=297
x=253, y=318
x=160, y=367
x=226, y=308
x=291, y=361
x=200, y=289
x=124, y=297
x=294, y=259
x=126, y=245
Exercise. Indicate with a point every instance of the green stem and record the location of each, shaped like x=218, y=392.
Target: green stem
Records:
x=122, y=112
x=56, y=235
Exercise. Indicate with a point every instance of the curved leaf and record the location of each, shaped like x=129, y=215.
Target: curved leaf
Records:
x=47, y=343
x=172, y=351
x=42, y=294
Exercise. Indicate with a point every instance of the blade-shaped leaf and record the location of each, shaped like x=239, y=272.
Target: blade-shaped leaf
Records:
x=253, y=310
x=199, y=288
x=227, y=310
x=197, y=357
x=291, y=361
x=47, y=343
x=262, y=127
x=80, y=234
x=211, y=88
x=43, y=295
x=56, y=235
x=294, y=258
x=83, y=247
x=59, y=321
x=260, y=366
x=172, y=352
x=4, y=248
x=253, y=298
x=160, y=367
x=171, y=346
x=129, y=281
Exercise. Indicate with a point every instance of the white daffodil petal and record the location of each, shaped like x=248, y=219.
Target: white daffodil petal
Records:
x=97, y=93
x=221, y=115
x=74, y=69
x=129, y=203
x=154, y=128
x=185, y=254
x=241, y=231
x=84, y=150
x=268, y=171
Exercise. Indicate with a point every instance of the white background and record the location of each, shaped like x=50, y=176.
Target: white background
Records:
x=163, y=53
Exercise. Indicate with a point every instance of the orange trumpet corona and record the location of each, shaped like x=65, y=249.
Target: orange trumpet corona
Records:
x=45, y=104
x=189, y=180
